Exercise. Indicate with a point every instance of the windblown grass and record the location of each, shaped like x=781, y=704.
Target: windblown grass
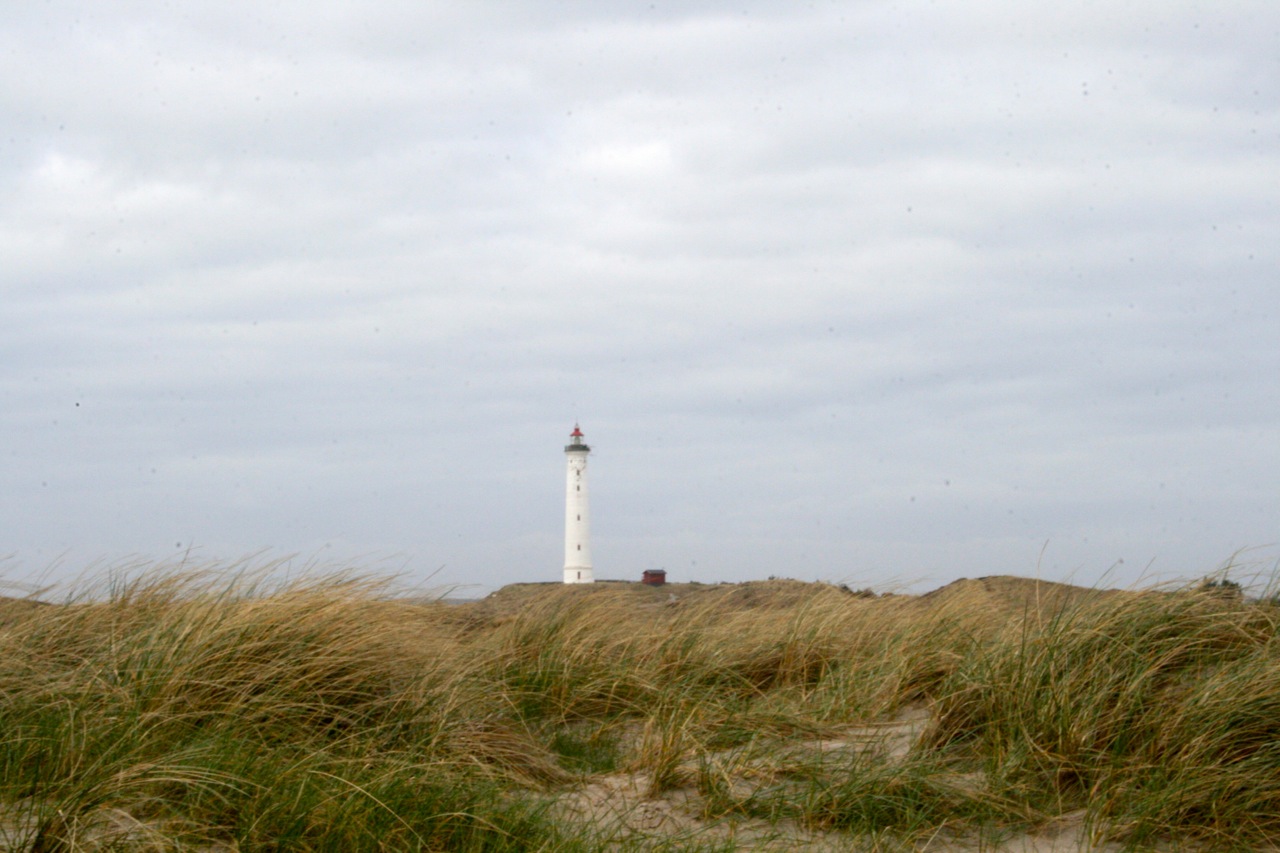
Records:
x=212, y=710
x=1158, y=712
x=189, y=709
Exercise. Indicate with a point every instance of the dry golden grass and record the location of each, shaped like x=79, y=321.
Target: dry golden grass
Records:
x=210, y=708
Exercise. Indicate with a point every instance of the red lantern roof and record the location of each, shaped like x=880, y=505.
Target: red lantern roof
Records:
x=577, y=433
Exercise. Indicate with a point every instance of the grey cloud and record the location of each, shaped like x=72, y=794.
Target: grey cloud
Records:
x=877, y=291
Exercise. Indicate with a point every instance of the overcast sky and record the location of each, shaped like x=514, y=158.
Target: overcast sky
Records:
x=887, y=293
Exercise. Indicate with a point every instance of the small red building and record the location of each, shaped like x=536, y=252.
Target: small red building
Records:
x=654, y=577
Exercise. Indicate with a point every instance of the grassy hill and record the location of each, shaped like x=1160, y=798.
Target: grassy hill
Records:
x=197, y=711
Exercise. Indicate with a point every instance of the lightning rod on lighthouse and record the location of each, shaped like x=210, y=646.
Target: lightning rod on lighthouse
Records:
x=577, y=522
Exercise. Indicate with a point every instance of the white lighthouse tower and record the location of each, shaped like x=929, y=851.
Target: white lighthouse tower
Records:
x=577, y=523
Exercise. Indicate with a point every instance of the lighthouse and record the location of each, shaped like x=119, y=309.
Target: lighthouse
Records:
x=577, y=523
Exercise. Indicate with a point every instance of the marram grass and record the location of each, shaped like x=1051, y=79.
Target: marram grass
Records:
x=211, y=710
